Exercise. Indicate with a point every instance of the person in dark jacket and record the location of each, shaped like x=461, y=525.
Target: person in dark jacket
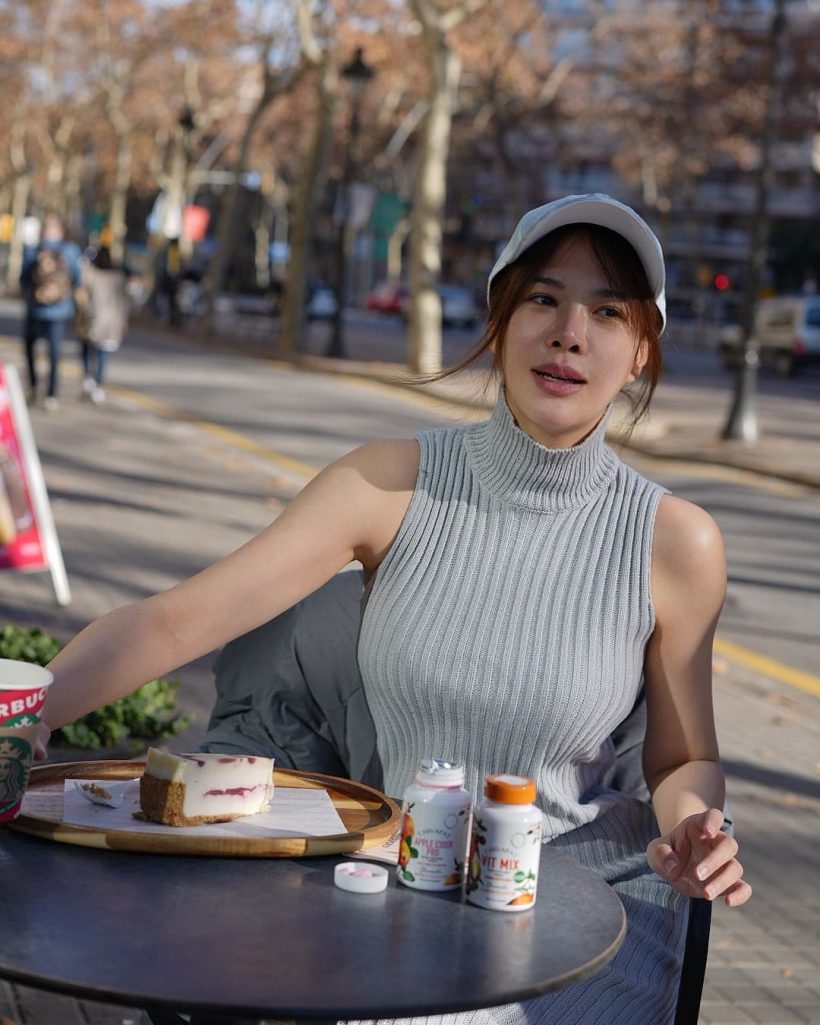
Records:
x=50, y=274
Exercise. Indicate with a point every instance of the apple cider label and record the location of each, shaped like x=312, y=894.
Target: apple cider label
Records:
x=433, y=845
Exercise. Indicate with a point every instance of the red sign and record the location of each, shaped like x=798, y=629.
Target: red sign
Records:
x=195, y=222
x=21, y=542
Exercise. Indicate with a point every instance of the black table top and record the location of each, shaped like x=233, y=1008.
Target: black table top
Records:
x=276, y=938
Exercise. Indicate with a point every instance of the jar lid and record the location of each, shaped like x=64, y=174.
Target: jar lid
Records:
x=510, y=789
x=360, y=878
x=436, y=772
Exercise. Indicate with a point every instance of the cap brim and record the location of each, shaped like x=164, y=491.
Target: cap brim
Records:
x=605, y=212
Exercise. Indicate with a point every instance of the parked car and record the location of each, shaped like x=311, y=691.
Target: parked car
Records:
x=322, y=304
x=386, y=297
x=458, y=306
x=786, y=330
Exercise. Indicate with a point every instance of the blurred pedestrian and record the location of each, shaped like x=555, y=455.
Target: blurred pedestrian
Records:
x=103, y=318
x=167, y=282
x=49, y=277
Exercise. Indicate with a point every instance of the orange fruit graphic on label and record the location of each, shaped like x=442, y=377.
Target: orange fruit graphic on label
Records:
x=405, y=852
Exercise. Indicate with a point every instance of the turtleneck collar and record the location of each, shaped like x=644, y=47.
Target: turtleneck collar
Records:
x=516, y=468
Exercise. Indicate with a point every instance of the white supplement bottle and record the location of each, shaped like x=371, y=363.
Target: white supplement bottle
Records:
x=505, y=848
x=435, y=827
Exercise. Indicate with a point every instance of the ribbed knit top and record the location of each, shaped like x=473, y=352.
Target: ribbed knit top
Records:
x=506, y=627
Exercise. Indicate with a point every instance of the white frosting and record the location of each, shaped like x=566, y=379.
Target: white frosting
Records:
x=216, y=784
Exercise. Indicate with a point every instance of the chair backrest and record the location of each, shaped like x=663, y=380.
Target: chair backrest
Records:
x=693, y=970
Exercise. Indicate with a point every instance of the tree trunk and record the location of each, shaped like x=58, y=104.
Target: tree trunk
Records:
x=175, y=187
x=428, y=205
x=226, y=225
x=742, y=423
x=119, y=197
x=19, y=205
x=394, y=248
x=292, y=330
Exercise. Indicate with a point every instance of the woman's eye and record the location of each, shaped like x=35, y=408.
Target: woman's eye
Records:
x=541, y=299
x=609, y=311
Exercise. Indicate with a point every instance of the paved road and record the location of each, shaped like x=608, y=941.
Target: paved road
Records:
x=143, y=495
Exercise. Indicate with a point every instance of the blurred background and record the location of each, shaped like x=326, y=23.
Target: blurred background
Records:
x=303, y=156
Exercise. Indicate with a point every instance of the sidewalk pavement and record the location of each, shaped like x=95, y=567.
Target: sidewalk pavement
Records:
x=127, y=524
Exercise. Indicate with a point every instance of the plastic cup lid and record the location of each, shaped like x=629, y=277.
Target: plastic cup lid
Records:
x=359, y=878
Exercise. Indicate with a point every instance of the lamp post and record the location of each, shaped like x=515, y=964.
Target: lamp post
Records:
x=357, y=74
x=742, y=423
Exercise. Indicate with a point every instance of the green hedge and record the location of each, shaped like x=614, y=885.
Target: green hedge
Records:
x=146, y=714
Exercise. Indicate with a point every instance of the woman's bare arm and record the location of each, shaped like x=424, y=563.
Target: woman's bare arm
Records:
x=681, y=757
x=351, y=510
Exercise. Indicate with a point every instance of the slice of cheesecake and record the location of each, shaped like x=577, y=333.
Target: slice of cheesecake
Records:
x=189, y=789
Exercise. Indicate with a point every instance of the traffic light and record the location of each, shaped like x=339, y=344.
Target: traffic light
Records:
x=722, y=282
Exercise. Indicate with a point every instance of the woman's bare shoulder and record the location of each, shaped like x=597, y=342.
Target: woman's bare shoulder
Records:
x=385, y=473
x=681, y=527
x=390, y=464
x=687, y=552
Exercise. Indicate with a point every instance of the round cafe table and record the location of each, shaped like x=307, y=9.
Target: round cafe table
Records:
x=246, y=938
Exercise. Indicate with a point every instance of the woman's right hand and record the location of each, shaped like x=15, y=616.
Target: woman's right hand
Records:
x=41, y=742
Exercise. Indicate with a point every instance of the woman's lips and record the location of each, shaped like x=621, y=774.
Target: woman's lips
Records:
x=555, y=379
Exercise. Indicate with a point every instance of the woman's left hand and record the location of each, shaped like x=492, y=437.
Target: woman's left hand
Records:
x=698, y=859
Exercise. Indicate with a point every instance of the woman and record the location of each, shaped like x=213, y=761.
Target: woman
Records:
x=522, y=585
x=105, y=322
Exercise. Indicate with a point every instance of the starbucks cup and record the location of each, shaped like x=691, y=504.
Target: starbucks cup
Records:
x=23, y=690
x=16, y=755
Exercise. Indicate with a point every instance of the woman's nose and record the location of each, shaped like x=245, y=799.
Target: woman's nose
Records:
x=570, y=330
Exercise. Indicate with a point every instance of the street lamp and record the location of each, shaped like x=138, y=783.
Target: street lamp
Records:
x=357, y=74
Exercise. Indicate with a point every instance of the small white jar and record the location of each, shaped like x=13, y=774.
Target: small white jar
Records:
x=505, y=848
x=435, y=827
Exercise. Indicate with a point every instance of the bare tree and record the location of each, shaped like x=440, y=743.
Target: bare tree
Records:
x=20, y=196
x=427, y=217
x=276, y=77
x=119, y=61
x=310, y=180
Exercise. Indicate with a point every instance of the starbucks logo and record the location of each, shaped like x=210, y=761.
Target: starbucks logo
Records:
x=21, y=720
x=15, y=762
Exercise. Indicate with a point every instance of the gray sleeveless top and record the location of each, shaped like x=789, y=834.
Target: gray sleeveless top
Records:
x=505, y=630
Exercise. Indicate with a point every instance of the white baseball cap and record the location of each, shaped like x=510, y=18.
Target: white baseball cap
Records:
x=595, y=208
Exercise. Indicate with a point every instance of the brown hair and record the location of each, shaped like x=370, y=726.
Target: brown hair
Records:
x=625, y=275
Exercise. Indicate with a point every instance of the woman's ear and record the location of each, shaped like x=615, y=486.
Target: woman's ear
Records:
x=641, y=356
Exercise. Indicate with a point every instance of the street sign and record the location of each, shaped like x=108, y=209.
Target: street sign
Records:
x=28, y=538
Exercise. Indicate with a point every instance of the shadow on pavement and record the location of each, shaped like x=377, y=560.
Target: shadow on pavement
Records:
x=771, y=778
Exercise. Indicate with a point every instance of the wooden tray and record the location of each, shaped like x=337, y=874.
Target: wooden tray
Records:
x=370, y=817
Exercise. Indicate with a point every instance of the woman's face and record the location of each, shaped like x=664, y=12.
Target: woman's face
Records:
x=568, y=349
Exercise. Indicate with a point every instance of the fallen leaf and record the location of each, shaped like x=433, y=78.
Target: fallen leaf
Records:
x=787, y=973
